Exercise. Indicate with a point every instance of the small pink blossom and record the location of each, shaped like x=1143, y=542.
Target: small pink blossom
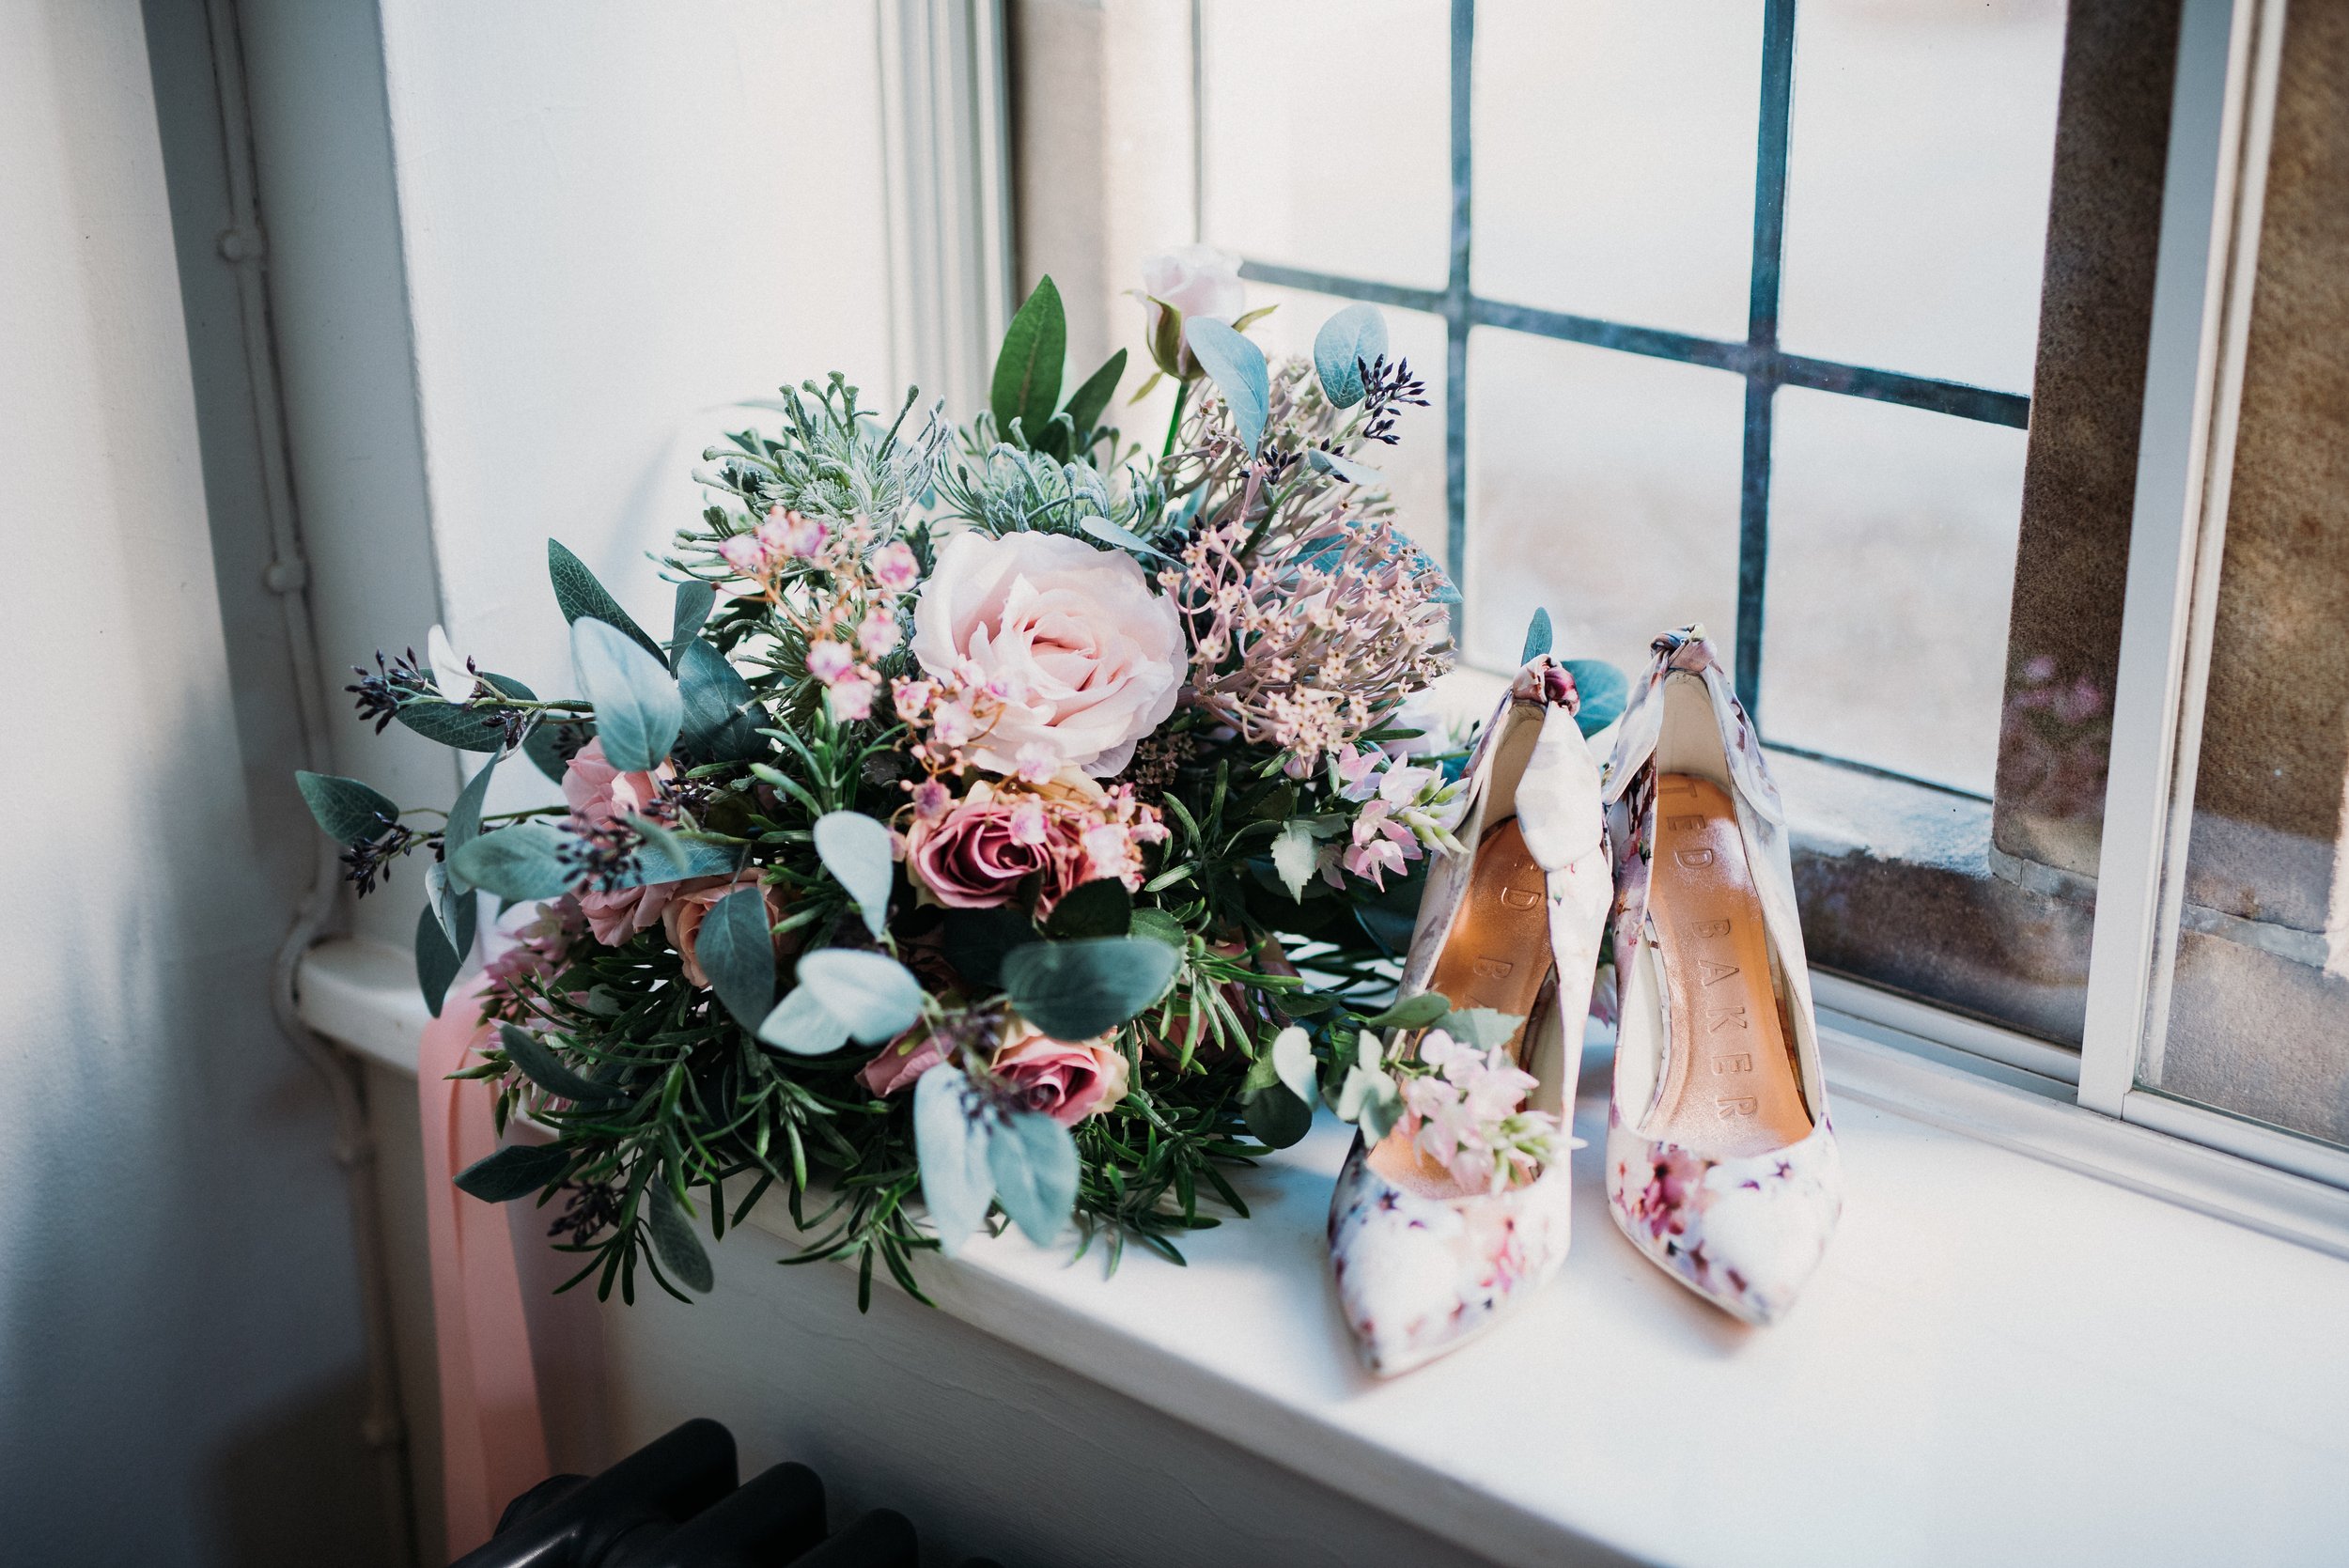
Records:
x=793, y=534
x=851, y=698
x=745, y=554
x=952, y=724
x=1038, y=764
x=1373, y=861
x=829, y=661
x=1027, y=823
x=930, y=800
x=912, y=698
x=877, y=633
x=894, y=567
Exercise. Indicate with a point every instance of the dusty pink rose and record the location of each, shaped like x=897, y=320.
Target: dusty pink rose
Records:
x=689, y=905
x=1085, y=658
x=976, y=855
x=897, y=1064
x=599, y=793
x=1067, y=1081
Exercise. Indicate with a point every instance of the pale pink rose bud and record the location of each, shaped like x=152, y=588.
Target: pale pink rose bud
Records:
x=878, y=634
x=894, y=567
x=851, y=699
x=912, y=698
x=829, y=661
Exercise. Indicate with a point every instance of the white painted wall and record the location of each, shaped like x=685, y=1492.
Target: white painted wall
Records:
x=179, y=1328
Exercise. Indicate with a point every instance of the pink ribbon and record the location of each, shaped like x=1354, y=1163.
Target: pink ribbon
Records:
x=493, y=1442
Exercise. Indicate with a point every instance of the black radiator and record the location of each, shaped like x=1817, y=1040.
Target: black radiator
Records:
x=674, y=1503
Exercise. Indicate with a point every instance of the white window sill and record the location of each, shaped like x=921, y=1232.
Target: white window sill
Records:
x=2002, y=1360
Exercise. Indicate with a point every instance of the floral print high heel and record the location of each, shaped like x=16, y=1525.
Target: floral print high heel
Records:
x=1721, y=1166
x=1427, y=1254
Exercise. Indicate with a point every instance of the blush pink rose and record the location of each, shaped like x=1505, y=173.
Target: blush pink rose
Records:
x=898, y=1063
x=1086, y=659
x=976, y=856
x=689, y=905
x=1066, y=1081
x=599, y=793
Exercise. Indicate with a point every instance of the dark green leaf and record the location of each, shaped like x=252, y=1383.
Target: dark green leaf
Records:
x=1159, y=926
x=536, y=1060
x=721, y=717
x=1033, y=1161
x=976, y=939
x=346, y=810
x=676, y=1245
x=579, y=594
x=1027, y=372
x=1101, y=908
x=1602, y=689
x=638, y=707
x=1537, y=637
x=547, y=742
x=1276, y=1118
x=464, y=817
x=436, y=962
x=1352, y=338
x=1075, y=990
x=447, y=724
x=518, y=862
x=452, y=907
x=1238, y=368
x=736, y=946
x=1088, y=403
x=669, y=855
x=693, y=599
x=1412, y=1012
x=514, y=1171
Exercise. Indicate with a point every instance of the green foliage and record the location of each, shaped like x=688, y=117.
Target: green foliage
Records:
x=856, y=849
x=1537, y=636
x=514, y=1171
x=1075, y=990
x=874, y=996
x=1026, y=386
x=346, y=810
x=1603, y=690
x=1352, y=338
x=639, y=709
x=830, y=459
x=437, y=962
x=738, y=952
x=1240, y=372
x=581, y=595
x=518, y=862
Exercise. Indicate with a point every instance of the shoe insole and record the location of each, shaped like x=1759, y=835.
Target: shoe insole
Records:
x=1730, y=1088
x=1496, y=955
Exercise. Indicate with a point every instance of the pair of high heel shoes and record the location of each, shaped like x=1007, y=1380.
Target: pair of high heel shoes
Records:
x=1720, y=1165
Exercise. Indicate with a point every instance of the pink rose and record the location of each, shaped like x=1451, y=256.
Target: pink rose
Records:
x=599, y=793
x=689, y=905
x=1193, y=283
x=897, y=1064
x=1066, y=1082
x=1085, y=658
x=977, y=854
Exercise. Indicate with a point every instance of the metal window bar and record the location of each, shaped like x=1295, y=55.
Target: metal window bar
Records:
x=1759, y=359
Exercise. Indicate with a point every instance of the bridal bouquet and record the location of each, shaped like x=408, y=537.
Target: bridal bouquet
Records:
x=966, y=833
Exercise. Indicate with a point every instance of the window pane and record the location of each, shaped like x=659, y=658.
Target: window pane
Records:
x=1603, y=488
x=1922, y=141
x=1891, y=568
x=1413, y=467
x=1326, y=135
x=1615, y=146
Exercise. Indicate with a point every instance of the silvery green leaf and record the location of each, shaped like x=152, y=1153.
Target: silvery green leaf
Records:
x=1411, y=1012
x=1075, y=990
x=1159, y=926
x=1293, y=1059
x=1237, y=366
x=1033, y=1163
x=449, y=674
x=671, y=855
x=676, y=1245
x=514, y=1171
x=346, y=810
x=638, y=707
x=951, y=1135
x=855, y=849
x=801, y=1025
x=1482, y=1027
x=1294, y=855
x=1381, y=1108
x=518, y=862
x=452, y=907
x=1537, y=637
x=437, y=963
x=1352, y=338
x=536, y=1060
x=1363, y=1087
x=464, y=817
x=578, y=593
x=735, y=947
x=693, y=601
x=872, y=995
x=1343, y=467
x=1602, y=689
x=721, y=717
x=1123, y=538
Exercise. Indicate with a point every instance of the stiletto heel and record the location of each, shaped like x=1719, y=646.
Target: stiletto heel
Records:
x=1721, y=1166
x=1423, y=1260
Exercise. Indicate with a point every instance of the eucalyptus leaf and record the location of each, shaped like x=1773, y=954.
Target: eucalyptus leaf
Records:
x=1415, y=1012
x=1343, y=467
x=519, y=862
x=453, y=907
x=536, y=1060
x=579, y=595
x=872, y=995
x=736, y=948
x=514, y=1171
x=1090, y=400
x=672, y=855
x=1294, y=856
x=1275, y=1117
x=695, y=599
x=855, y=849
x=1482, y=1027
x=722, y=717
x=1352, y=338
x=951, y=1135
x=1237, y=366
x=446, y=724
x=1026, y=384
x=1033, y=1161
x=1123, y=538
x=801, y=1025
x=436, y=963
x=674, y=1242
x=547, y=742
x=348, y=811
x=1075, y=990
x=1537, y=637
x=1293, y=1059
x=1159, y=926
x=464, y=817
x=1602, y=689
x=638, y=707
x=1101, y=908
